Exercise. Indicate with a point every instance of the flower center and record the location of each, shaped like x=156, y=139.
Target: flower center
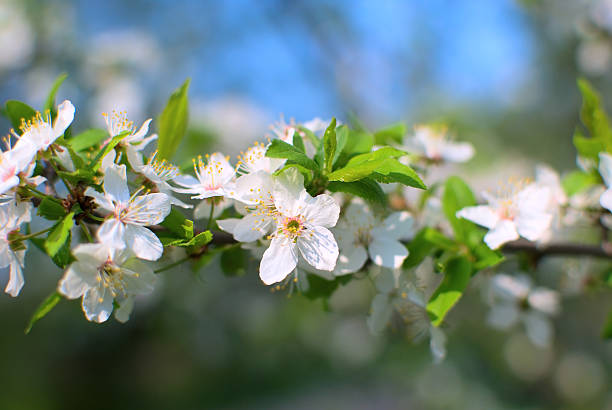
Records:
x=112, y=278
x=293, y=227
x=117, y=122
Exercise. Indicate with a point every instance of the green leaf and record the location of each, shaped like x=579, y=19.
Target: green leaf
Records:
x=456, y=277
x=59, y=235
x=45, y=307
x=382, y=153
x=342, y=136
x=391, y=134
x=578, y=181
x=51, y=209
x=458, y=195
x=173, y=122
x=485, y=256
x=366, y=188
x=87, y=139
x=593, y=114
x=97, y=162
x=606, y=332
x=178, y=225
x=314, y=140
x=298, y=142
x=280, y=149
x=419, y=248
x=319, y=288
x=197, y=241
x=438, y=239
x=358, y=142
x=394, y=171
x=302, y=170
x=80, y=175
x=234, y=261
x=329, y=145
x=588, y=147
x=50, y=102
x=19, y=112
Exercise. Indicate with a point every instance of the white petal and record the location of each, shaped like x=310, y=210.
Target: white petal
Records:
x=112, y=233
x=350, y=260
x=321, y=210
x=115, y=183
x=143, y=242
x=134, y=157
x=149, y=209
x=319, y=248
x=482, y=215
x=387, y=252
x=533, y=225
x=278, y=261
x=437, y=343
x=533, y=198
x=101, y=200
x=107, y=161
x=252, y=227
x=544, y=300
x=511, y=288
x=97, y=304
x=65, y=115
x=122, y=314
x=78, y=278
x=139, y=277
x=202, y=210
x=606, y=199
x=539, y=329
x=139, y=135
x=16, y=280
x=380, y=314
x=92, y=253
x=225, y=170
x=504, y=231
x=8, y=183
x=605, y=167
x=503, y=316
x=228, y=225
x=457, y=151
x=22, y=154
x=398, y=225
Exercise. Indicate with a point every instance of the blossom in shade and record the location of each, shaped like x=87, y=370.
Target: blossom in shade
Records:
x=515, y=299
x=521, y=211
x=103, y=275
x=127, y=215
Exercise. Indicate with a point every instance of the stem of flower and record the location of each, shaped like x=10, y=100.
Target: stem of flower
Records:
x=86, y=232
x=210, y=215
x=32, y=235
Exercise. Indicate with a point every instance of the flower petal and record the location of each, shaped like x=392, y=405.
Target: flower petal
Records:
x=398, y=225
x=387, y=252
x=97, y=304
x=539, y=329
x=605, y=167
x=65, y=116
x=504, y=231
x=503, y=316
x=544, y=300
x=252, y=227
x=78, y=278
x=457, y=151
x=112, y=233
x=350, y=260
x=437, y=343
x=319, y=248
x=143, y=242
x=16, y=281
x=606, y=199
x=115, y=183
x=122, y=313
x=321, y=210
x=278, y=261
x=101, y=200
x=380, y=314
x=482, y=215
x=149, y=209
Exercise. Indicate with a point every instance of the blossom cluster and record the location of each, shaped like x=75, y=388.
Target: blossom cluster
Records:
x=316, y=201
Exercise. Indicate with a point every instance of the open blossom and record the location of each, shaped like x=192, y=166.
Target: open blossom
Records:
x=128, y=215
x=12, y=215
x=522, y=211
x=360, y=233
x=301, y=223
x=136, y=140
x=42, y=132
x=102, y=275
x=215, y=178
x=605, y=169
x=158, y=173
x=254, y=159
x=435, y=145
x=514, y=299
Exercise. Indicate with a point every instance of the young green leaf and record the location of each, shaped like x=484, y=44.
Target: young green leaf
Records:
x=18, y=112
x=458, y=195
x=298, y=142
x=280, y=149
x=366, y=188
x=393, y=133
x=87, y=139
x=593, y=114
x=329, y=145
x=178, y=225
x=45, y=307
x=50, y=102
x=97, y=162
x=51, y=209
x=456, y=277
x=59, y=235
x=578, y=181
x=173, y=122
x=394, y=171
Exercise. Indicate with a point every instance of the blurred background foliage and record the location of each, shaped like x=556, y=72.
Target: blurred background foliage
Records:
x=500, y=73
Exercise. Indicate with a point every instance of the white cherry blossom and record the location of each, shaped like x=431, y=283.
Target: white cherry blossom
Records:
x=435, y=145
x=514, y=299
x=12, y=215
x=213, y=178
x=102, y=275
x=521, y=211
x=301, y=223
x=254, y=160
x=360, y=233
x=41, y=131
x=128, y=215
x=15, y=161
x=605, y=169
x=136, y=140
